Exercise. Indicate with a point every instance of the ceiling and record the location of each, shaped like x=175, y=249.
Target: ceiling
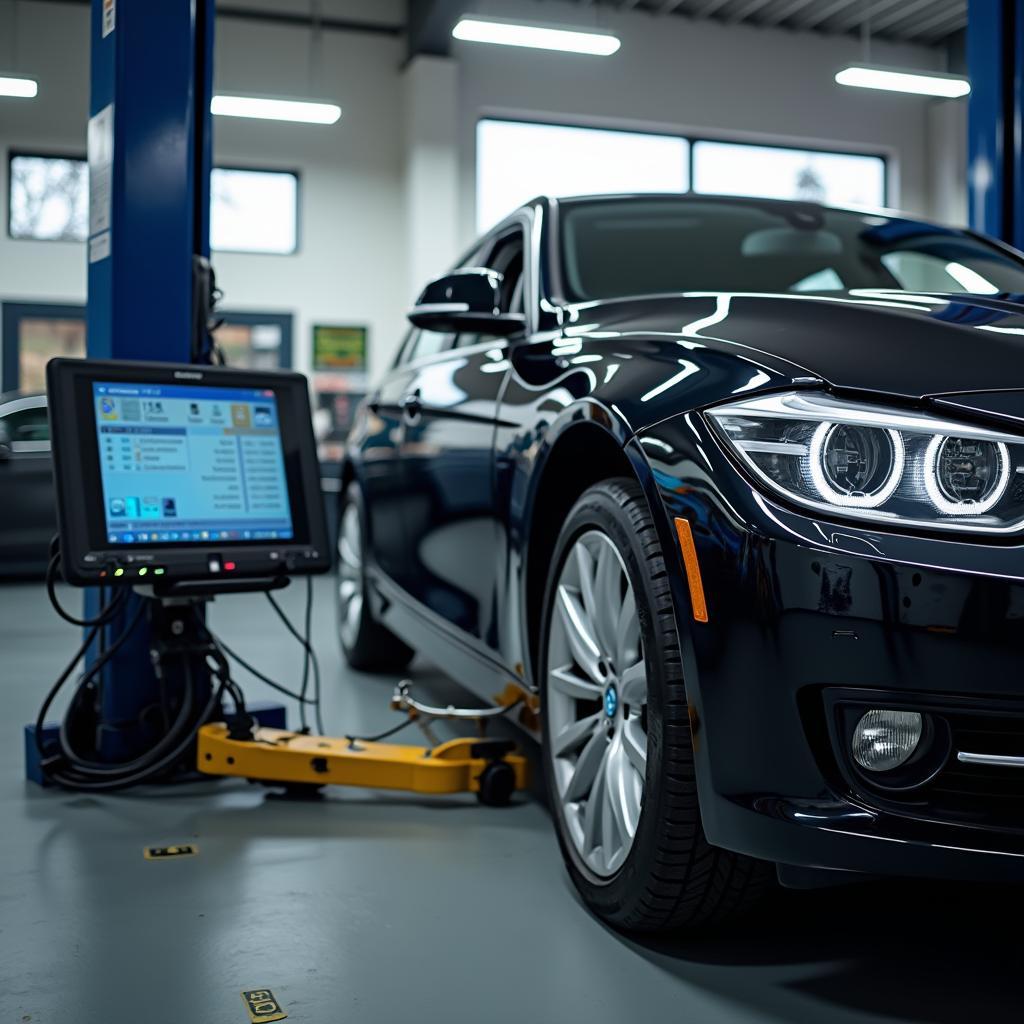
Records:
x=918, y=21
x=927, y=22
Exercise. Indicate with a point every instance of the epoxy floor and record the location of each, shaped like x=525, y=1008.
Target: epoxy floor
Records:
x=385, y=908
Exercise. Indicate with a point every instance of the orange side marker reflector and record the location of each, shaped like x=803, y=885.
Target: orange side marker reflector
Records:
x=689, y=550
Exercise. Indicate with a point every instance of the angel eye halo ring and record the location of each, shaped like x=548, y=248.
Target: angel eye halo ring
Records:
x=964, y=476
x=855, y=466
x=883, y=464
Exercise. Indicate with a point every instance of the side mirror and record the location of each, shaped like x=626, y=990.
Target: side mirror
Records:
x=466, y=300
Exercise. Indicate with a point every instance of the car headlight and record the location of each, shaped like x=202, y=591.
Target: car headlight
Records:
x=885, y=465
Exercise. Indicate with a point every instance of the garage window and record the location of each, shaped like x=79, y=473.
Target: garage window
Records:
x=254, y=211
x=836, y=179
x=49, y=198
x=250, y=210
x=518, y=160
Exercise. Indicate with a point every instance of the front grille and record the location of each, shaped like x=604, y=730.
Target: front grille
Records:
x=981, y=794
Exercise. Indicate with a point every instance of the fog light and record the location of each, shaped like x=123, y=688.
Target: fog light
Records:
x=884, y=740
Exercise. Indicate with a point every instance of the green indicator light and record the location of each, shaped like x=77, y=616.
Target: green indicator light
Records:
x=143, y=571
x=158, y=572
x=119, y=572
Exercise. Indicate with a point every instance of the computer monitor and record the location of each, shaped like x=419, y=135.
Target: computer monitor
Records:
x=183, y=473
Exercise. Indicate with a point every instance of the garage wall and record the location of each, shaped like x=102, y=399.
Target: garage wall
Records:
x=53, y=45
x=671, y=74
x=350, y=266
x=367, y=237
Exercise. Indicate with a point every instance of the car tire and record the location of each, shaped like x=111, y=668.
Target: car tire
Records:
x=599, y=715
x=367, y=645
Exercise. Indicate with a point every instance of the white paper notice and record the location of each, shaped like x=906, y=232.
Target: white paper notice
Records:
x=101, y=183
x=99, y=247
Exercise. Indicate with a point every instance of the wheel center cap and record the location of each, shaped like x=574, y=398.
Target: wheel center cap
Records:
x=611, y=701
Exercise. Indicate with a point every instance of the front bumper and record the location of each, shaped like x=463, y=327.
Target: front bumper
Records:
x=802, y=609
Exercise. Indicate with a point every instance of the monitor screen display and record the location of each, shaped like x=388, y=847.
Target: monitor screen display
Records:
x=182, y=464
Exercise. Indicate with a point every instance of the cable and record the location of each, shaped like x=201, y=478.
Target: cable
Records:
x=257, y=673
x=81, y=773
x=99, y=768
x=149, y=766
x=165, y=762
x=105, y=616
x=55, y=689
x=309, y=658
x=381, y=735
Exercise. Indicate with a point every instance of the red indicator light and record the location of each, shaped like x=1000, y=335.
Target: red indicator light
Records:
x=229, y=566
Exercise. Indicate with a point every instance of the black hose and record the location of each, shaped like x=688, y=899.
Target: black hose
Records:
x=167, y=761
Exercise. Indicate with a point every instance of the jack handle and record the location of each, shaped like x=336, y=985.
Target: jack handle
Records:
x=402, y=700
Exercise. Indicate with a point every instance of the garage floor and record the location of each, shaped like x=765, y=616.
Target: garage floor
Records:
x=384, y=908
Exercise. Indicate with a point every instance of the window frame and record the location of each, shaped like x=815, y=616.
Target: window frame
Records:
x=11, y=315
x=284, y=321
x=296, y=174
x=792, y=148
x=79, y=157
x=12, y=155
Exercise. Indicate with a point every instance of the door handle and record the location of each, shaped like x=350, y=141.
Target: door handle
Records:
x=411, y=405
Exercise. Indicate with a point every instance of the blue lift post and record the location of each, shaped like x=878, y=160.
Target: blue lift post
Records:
x=149, y=169
x=995, y=146
x=149, y=147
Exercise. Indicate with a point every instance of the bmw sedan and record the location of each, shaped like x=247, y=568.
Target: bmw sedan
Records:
x=728, y=494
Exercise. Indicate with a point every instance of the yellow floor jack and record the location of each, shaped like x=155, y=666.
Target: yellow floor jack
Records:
x=303, y=763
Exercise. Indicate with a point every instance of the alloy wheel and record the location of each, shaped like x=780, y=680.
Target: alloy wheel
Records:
x=597, y=703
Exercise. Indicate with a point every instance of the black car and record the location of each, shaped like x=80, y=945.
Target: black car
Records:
x=28, y=514
x=732, y=490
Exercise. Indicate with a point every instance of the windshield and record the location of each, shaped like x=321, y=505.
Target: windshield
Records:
x=613, y=248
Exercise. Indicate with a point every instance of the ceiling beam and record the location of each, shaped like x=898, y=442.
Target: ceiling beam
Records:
x=901, y=14
x=307, y=21
x=710, y=8
x=430, y=24
x=939, y=26
x=745, y=12
x=781, y=14
x=824, y=12
x=859, y=15
x=290, y=20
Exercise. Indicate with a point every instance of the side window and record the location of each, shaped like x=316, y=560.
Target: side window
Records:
x=507, y=259
x=426, y=343
x=27, y=425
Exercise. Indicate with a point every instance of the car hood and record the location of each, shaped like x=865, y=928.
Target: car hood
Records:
x=891, y=343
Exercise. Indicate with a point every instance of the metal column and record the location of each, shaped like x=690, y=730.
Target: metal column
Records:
x=149, y=163
x=995, y=59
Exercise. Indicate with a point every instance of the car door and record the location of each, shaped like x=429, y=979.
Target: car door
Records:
x=379, y=442
x=28, y=516
x=447, y=464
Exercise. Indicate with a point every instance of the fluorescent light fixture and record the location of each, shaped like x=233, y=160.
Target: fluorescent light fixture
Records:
x=302, y=111
x=504, y=33
x=933, y=84
x=23, y=88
